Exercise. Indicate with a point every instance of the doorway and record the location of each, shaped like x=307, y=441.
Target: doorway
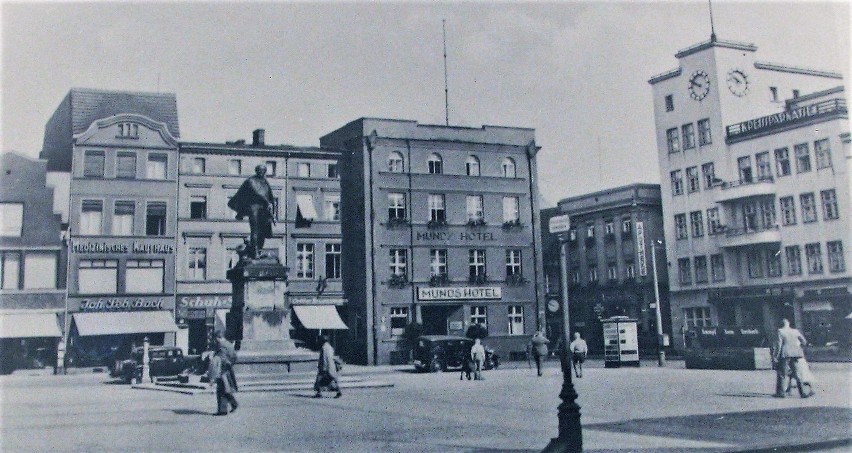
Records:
x=442, y=319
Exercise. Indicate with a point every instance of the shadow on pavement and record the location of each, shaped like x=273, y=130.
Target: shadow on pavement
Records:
x=190, y=412
x=747, y=395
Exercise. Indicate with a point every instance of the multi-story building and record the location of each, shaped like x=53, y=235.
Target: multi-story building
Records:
x=306, y=236
x=754, y=162
x=32, y=266
x=117, y=154
x=609, y=261
x=440, y=227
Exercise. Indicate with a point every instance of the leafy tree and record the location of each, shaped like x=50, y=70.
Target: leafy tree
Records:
x=476, y=331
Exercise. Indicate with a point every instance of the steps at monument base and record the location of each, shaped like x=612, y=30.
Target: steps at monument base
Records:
x=301, y=382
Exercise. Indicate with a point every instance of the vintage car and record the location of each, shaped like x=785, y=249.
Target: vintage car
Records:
x=443, y=352
x=164, y=361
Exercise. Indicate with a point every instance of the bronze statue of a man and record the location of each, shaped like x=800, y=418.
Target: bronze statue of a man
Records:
x=254, y=200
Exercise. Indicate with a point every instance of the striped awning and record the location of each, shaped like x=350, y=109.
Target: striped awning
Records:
x=319, y=317
x=117, y=323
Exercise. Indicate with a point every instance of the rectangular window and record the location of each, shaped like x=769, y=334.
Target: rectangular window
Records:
x=144, y=277
x=773, y=263
x=669, y=100
x=436, y=165
x=476, y=262
x=396, y=206
x=709, y=172
x=701, y=269
x=750, y=216
x=437, y=208
x=10, y=270
x=197, y=207
x=474, y=208
x=684, y=271
x=303, y=169
x=808, y=204
x=688, y=132
x=609, y=227
x=704, y=137
x=836, y=262
x=196, y=263
x=398, y=320
x=714, y=223
x=629, y=271
x=122, y=218
x=511, y=212
x=438, y=262
x=593, y=274
x=717, y=267
x=829, y=205
x=156, y=166
x=332, y=171
x=230, y=258
x=803, y=157
x=199, y=165
x=332, y=207
x=11, y=219
x=332, y=261
x=773, y=94
x=590, y=231
x=696, y=317
x=823, y=153
x=813, y=253
x=93, y=164
x=91, y=218
x=627, y=226
x=128, y=130
x=40, y=270
x=575, y=277
x=97, y=276
x=304, y=260
x=696, y=221
x=612, y=272
x=305, y=210
x=399, y=262
x=764, y=166
x=235, y=167
x=754, y=259
x=794, y=259
x=680, y=226
x=677, y=182
x=782, y=162
x=125, y=165
x=516, y=319
x=513, y=263
x=788, y=210
x=693, y=184
x=272, y=168
x=479, y=315
x=744, y=166
x=767, y=213
x=672, y=140
x=155, y=218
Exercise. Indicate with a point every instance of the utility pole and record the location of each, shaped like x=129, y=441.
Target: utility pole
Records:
x=661, y=353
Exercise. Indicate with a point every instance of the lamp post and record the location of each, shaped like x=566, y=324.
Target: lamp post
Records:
x=661, y=353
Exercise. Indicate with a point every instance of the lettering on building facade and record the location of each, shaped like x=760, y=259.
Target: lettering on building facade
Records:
x=467, y=236
x=120, y=303
x=207, y=301
x=135, y=247
x=462, y=293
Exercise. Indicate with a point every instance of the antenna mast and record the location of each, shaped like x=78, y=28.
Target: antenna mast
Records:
x=712, y=30
x=446, y=88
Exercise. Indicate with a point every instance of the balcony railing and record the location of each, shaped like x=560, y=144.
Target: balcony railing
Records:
x=744, y=237
x=757, y=126
x=734, y=232
x=745, y=188
x=741, y=182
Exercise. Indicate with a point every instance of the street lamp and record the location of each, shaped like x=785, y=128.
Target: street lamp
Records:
x=661, y=353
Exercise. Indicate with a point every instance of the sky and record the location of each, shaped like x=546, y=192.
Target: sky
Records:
x=577, y=72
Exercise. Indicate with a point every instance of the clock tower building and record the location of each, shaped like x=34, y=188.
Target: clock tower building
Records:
x=747, y=151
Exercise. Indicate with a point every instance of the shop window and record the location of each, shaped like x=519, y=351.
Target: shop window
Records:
x=333, y=261
x=304, y=260
x=516, y=319
x=509, y=168
x=125, y=165
x=813, y=254
x=822, y=150
x=677, y=182
x=235, y=167
x=97, y=276
x=704, y=136
x=717, y=267
x=144, y=277
x=10, y=270
x=197, y=207
x=155, y=218
x=398, y=320
x=688, y=133
x=829, y=205
x=93, y=164
x=794, y=259
x=471, y=166
x=11, y=219
x=696, y=317
x=673, y=140
x=701, y=269
x=803, y=158
x=122, y=218
x=156, y=166
x=396, y=206
x=684, y=271
x=197, y=263
x=396, y=162
x=807, y=201
x=788, y=210
x=836, y=262
x=332, y=207
x=479, y=315
x=91, y=218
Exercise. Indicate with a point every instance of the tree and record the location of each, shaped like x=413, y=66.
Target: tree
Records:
x=410, y=334
x=476, y=331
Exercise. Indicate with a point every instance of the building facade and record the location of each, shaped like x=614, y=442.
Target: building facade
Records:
x=306, y=235
x=754, y=163
x=609, y=266
x=118, y=153
x=440, y=227
x=32, y=266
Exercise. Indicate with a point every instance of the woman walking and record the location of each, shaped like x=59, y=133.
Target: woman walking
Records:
x=326, y=370
x=221, y=374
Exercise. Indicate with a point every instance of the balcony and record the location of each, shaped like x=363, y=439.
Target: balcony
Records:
x=737, y=190
x=742, y=237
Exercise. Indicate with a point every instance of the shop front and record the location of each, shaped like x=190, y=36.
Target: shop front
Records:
x=28, y=340
x=203, y=315
x=825, y=313
x=313, y=316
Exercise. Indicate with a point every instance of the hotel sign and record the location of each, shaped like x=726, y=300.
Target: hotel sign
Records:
x=463, y=236
x=459, y=293
x=640, y=241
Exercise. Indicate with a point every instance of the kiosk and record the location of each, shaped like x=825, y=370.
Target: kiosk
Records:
x=621, y=342
x=727, y=348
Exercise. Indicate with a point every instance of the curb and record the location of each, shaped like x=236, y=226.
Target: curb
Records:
x=811, y=446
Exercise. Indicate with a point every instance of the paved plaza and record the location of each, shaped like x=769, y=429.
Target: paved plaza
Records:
x=644, y=409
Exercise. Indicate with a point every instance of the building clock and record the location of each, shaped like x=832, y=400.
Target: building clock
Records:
x=699, y=85
x=738, y=82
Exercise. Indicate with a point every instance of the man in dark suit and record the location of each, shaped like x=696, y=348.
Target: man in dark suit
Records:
x=254, y=200
x=788, y=352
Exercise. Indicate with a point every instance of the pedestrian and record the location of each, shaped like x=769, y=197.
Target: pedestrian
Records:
x=221, y=374
x=578, y=349
x=788, y=353
x=477, y=353
x=327, y=370
x=538, y=347
x=808, y=379
x=467, y=364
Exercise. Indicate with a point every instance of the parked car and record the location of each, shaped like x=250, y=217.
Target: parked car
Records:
x=164, y=361
x=444, y=352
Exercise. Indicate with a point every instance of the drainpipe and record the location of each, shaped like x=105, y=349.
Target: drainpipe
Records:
x=410, y=228
x=372, y=344
x=530, y=153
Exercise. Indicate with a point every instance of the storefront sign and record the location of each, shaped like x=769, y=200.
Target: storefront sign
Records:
x=317, y=300
x=205, y=301
x=773, y=120
x=121, y=304
x=122, y=247
x=429, y=293
x=640, y=242
x=468, y=236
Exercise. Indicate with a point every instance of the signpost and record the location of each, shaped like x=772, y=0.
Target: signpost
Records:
x=559, y=224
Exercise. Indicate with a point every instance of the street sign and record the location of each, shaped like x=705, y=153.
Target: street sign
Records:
x=559, y=224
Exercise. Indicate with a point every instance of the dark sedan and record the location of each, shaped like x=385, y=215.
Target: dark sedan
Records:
x=444, y=352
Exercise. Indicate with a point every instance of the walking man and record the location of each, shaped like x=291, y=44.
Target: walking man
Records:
x=326, y=370
x=538, y=346
x=788, y=352
x=578, y=349
x=221, y=374
x=477, y=353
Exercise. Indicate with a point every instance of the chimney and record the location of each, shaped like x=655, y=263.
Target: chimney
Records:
x=258, y=137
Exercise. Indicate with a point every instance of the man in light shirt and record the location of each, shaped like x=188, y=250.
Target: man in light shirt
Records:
x=578, y=349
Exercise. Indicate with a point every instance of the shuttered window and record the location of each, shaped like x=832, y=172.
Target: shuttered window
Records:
x=93, y=164
x=125, y=165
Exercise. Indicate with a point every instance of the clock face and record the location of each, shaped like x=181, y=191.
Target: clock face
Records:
x=699, y=85
x=738, y=82
x=553, y=305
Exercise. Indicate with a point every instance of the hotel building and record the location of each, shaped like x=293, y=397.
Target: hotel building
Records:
x=754, y=160
x=440, y=227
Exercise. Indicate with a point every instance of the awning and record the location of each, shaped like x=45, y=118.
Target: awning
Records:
x=306, y=206
x=220, y=321
x=116, y=323
x=319, y=317
x=29, y=325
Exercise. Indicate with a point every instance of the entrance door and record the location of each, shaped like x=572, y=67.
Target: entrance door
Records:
x=437, y=319
x=197, y=335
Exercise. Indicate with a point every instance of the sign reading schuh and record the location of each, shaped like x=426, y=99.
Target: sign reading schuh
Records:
x=459, y=293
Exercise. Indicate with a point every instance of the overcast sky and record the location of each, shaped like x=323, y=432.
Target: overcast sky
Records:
x=576, y=72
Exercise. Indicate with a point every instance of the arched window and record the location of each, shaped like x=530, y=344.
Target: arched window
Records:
x=472, y=166
x=436, y=165
x=509, y=170
x=395, y=162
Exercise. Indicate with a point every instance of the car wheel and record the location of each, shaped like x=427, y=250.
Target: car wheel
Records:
x=435, y=366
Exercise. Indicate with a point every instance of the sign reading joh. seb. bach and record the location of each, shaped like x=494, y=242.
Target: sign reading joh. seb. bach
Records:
x=462, y=293
x=121, y=303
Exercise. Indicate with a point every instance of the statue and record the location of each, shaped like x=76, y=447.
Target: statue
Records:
x=254, y=200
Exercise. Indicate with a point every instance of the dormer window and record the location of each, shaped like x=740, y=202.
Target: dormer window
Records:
x=128, y=130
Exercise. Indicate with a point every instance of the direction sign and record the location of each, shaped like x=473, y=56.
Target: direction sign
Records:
x=559, y=224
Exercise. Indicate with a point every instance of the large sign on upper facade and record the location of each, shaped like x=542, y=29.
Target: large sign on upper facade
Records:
x=459, y=293
x=640, y=243
x=122, y=246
